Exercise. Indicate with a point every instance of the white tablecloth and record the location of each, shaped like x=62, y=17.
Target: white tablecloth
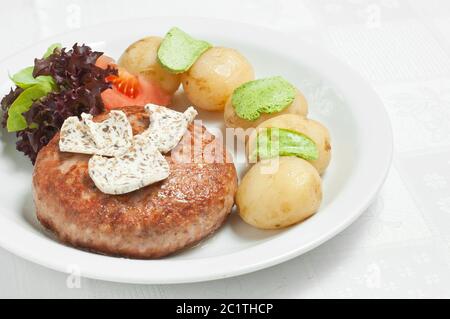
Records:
x=400, y=246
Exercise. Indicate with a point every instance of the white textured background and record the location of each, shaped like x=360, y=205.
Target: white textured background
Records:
x=401, y=246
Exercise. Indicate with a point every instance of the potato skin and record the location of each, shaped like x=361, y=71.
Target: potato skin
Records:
x=299, y=106
x=280, y=199
x=141, y=57
x=313, y=129
x=212, y=79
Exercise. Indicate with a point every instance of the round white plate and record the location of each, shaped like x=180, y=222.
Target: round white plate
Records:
x=337, y=96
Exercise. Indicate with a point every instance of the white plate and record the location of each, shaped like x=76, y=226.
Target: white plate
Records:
x=337, y=96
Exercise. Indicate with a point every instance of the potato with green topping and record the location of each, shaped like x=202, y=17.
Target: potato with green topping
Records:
x=212, y=79
x=299, y=107
x=313, y=129
x=141, y=58
x=288, y=194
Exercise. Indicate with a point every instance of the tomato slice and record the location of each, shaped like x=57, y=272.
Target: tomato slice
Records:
x=129, y=90
x=125, y=82
x=148, y=93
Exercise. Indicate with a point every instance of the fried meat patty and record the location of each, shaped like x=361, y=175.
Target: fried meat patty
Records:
x=151, y=222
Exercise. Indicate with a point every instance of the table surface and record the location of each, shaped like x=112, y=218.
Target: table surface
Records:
x=400, y=245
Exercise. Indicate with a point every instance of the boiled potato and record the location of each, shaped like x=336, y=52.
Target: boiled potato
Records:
x=141, y=58
x=299, y=106
x=212, y=79
x=313, y=129
x=279, y=198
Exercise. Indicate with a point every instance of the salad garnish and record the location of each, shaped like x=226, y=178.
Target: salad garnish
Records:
x=61, y=84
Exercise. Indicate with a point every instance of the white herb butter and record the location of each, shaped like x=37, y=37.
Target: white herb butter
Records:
x=112, y=137
x=121, y=162
x=142, y=165
x=167, y=126
x=75, y=137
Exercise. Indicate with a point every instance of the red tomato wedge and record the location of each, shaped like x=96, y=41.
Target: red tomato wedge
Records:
x=125, y=82
x=128, y=89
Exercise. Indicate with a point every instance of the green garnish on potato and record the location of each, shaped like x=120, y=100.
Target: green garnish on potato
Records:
x=179, y=51
x=274, y=142
x=269, y=95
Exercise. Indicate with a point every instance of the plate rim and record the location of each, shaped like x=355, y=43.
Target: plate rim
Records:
x=242, y=267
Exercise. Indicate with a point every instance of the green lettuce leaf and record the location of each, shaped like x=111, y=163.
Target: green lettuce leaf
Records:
x=16, y=121
x=34, y=89
x=24, y=78
x=51, y=49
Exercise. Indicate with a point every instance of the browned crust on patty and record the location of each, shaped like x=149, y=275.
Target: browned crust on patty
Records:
x=152, y=222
